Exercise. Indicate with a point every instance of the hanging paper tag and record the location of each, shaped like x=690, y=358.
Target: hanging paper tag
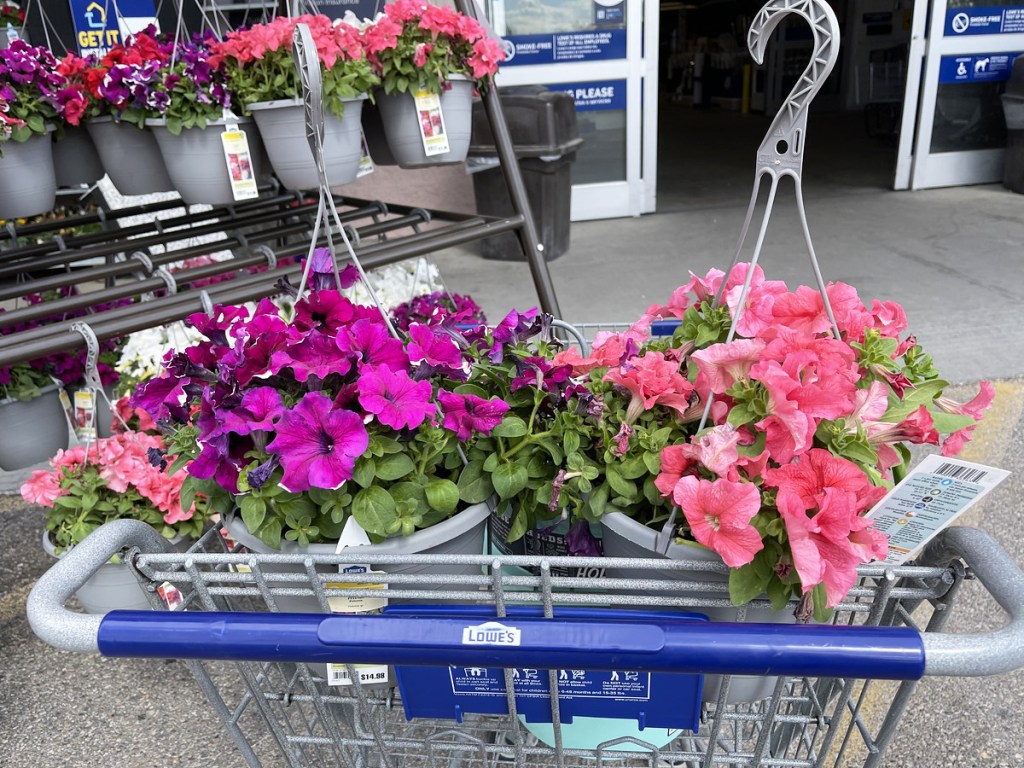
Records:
x=936, y=493
x=12, y=34
x=432, y=130
x=365, y=161
x=239, y=164
x=353, y=535
x=85, y=414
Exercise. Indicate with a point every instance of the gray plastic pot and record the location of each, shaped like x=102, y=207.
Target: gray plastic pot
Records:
x=460, y=534
x=282, y=125
x=29, y=185
x=75, y=159
x=131, y=157
x=32, y=431
x=402, y=125
x=625, y=537
x=196, y=163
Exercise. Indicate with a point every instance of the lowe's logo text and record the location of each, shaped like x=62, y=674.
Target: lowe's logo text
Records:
x=491, y=633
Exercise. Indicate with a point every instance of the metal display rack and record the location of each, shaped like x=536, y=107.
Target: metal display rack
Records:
x=267, y=233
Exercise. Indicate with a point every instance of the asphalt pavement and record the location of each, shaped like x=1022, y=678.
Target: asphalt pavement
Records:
x=954, y=258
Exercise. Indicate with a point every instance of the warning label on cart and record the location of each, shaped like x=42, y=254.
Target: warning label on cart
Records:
x=572, y=683
x=931, y=497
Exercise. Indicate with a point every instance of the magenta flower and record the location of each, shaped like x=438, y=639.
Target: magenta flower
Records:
x=396, y=400
x=324, y=311
x=316, y=355
x=371, y=343
x=431, y=345
x=260, y=408
x=465, y=414
x=719, y=514
x=318, y=444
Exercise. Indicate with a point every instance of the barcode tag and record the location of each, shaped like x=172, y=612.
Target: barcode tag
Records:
x=432, y=130
x=337, y=674
x=936, y=493
x=239, y=164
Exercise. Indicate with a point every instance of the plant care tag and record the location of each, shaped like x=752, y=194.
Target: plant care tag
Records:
x=239, y=163
x=432, y=130
x=936, y=493
x=365, y=161
x=85, y=414
x=353, y=535
x=12, y=34
x=65, y=401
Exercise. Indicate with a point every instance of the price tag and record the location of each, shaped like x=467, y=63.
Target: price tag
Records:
x=432, y=130
x=170, y=595
x=239, y=163
x=85, y=414
x=353, y=535
x=936, y=493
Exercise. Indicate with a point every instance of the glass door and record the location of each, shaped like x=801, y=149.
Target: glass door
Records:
x=953, y=130
x=595, y=51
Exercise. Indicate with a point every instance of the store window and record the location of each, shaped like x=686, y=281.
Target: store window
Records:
x=601, y=114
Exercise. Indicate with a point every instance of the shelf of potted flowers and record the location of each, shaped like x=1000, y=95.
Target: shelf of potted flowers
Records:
x=429, y=59
x=12, y=23
x=261, y=74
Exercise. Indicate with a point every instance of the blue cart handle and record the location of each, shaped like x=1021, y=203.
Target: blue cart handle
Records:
x=616, y=642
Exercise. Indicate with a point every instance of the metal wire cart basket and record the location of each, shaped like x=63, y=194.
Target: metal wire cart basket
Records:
x=639, y=682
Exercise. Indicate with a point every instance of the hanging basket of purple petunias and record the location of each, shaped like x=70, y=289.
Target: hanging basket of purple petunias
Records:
x=296, y=426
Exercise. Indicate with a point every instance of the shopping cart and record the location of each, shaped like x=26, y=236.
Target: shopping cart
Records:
x=266, y=672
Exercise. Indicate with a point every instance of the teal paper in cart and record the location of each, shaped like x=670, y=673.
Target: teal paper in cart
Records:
x=651, y=699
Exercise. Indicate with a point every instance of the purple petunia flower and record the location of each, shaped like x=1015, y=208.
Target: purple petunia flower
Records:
x=396, y=400
x=433, y=347
x=464, y=414
x=324, y=311
x=582, y=543
x=318, y=444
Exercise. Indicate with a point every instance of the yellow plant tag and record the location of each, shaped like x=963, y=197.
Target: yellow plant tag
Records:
x=239, y=164
x=432, y=130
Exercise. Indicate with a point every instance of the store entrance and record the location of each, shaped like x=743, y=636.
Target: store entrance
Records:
x=716, y=104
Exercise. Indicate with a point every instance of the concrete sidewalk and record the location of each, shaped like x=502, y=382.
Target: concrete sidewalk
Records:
x=955, y=260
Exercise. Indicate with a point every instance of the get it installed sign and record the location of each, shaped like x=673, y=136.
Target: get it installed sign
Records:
x=102, y=24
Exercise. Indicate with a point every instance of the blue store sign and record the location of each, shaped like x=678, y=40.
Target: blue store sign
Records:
x=595, y=96
x=985, y=20
x=981, y=68
x=99, y=27
x=592, y=45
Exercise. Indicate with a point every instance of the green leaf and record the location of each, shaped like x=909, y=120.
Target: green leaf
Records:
x=474, y=485
x=571, y=442
x=821, y=612
x=619, y=485
x=509, y=479
x=652, y=461
x=374, y=509
x=598, y=499
x=270, y=533
x=364, y=473
x=442, y=495
x=748, y=581
x=254, y=511
x=394, y=466
x=553, y=449
x=491, y=462
x=511, y=426
x=520, y=524
x=36, y=123
x=778, y=593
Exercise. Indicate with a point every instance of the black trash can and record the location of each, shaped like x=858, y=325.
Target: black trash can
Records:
x=545, y=136
x=1013, y=110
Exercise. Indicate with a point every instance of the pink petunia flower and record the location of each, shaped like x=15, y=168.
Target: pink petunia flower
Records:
x=652, y=380
x=719, y=514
